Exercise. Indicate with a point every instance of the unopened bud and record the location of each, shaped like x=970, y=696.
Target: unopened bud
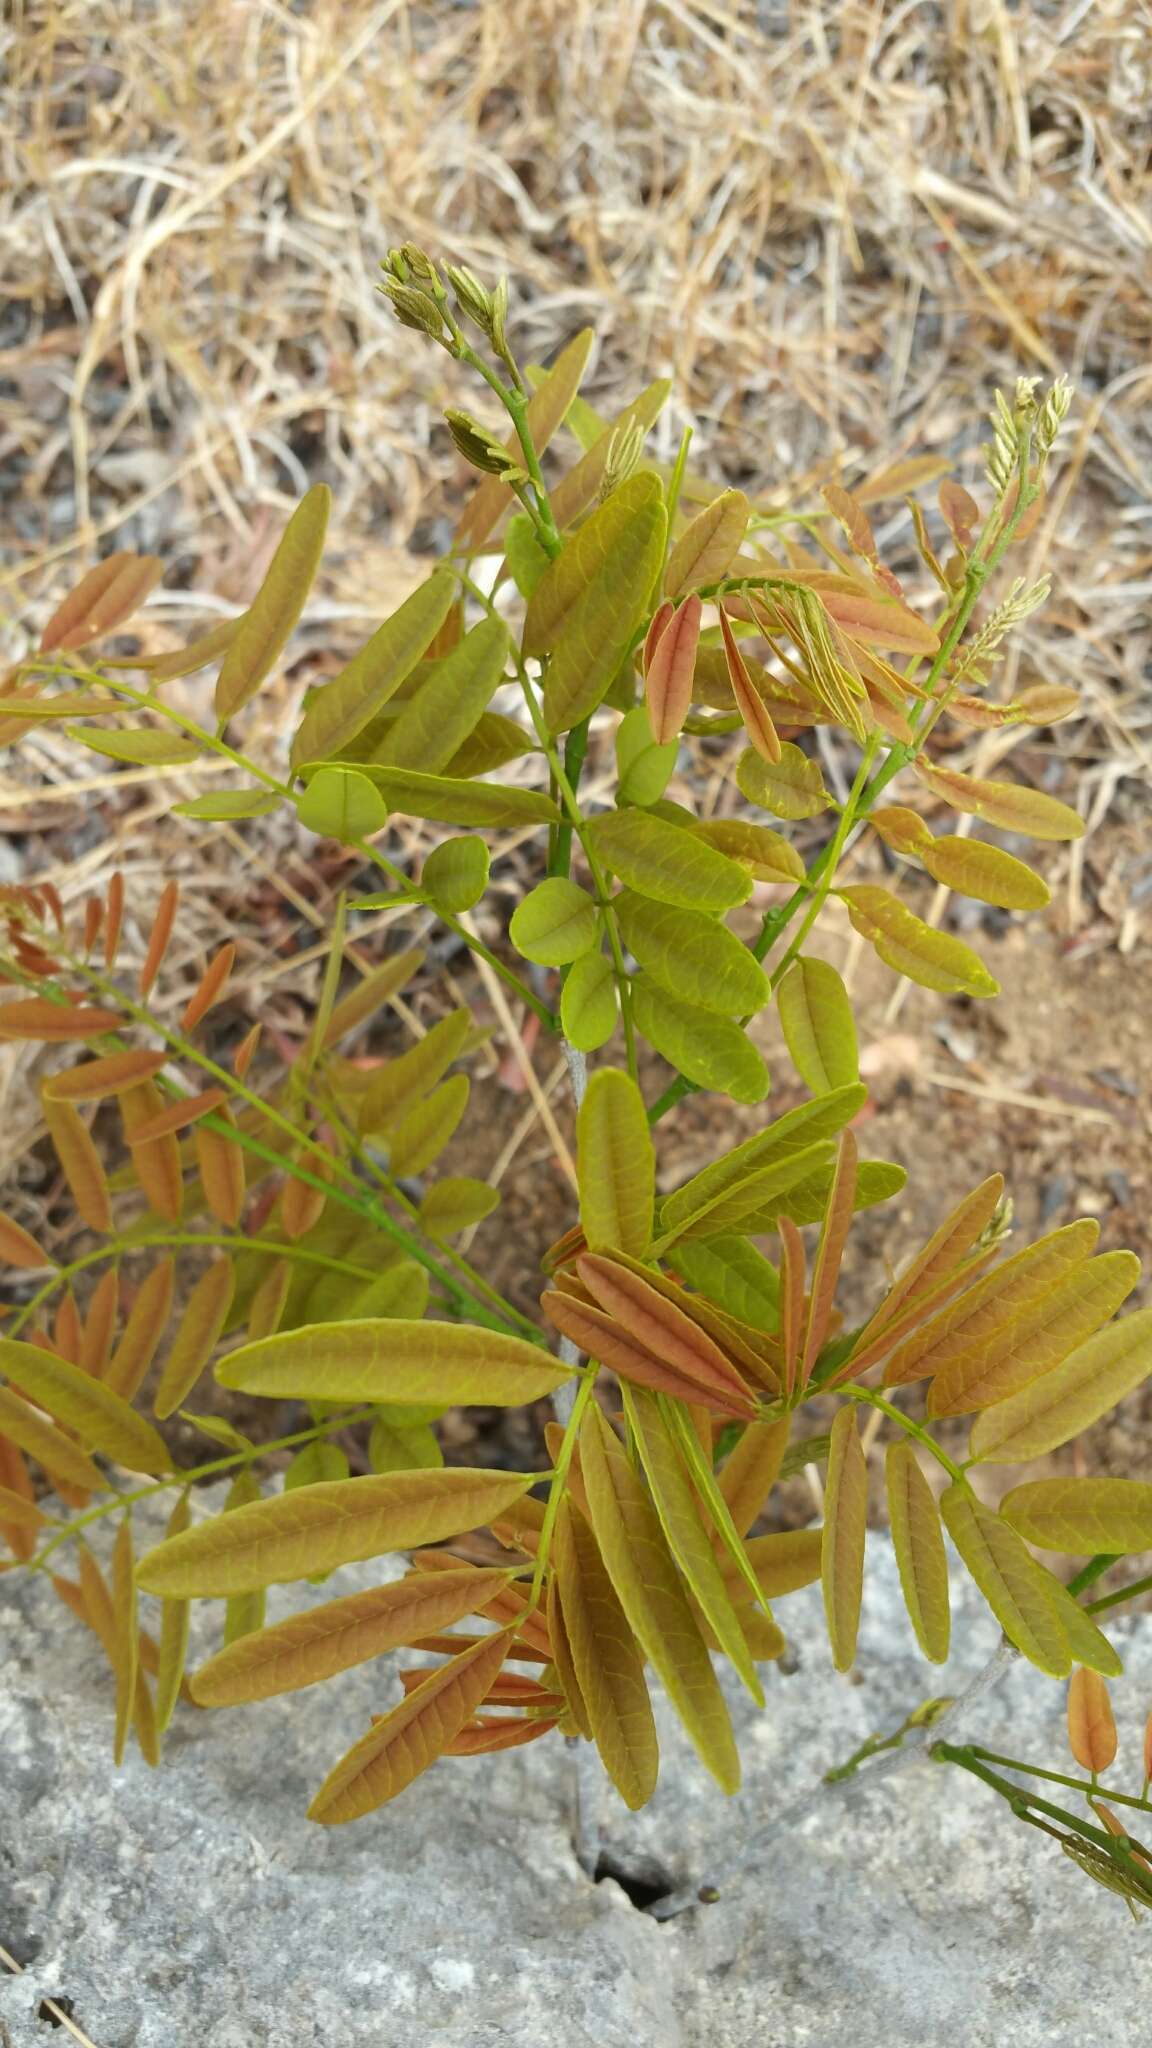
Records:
x=473, y=298
x=624, y=451
x=420, y=265
x=413, y=309
x=482, y=449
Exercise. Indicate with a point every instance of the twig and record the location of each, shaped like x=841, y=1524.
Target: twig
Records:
x=708, y=1890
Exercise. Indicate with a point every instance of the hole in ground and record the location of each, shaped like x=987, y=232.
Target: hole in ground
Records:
x=643, y=1881
x=56, y=2010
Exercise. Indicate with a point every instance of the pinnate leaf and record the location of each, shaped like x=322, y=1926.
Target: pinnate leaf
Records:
x=1007, y=804
x=662, y=861
x=322, y=1641
x=271, y=618
x=105, y=1422
x=842, y=1547
x=903, y=941
x=818, y=1026
x=635, y=1554
x=555, y=923
x=616, y=1165
x=918, y=1541
x=1009, y=1578
x=393, y=1360
x=1079, y=1516
x=317, y=1528
x=1058, y=1406
x=691, y=956
x=712, y=1051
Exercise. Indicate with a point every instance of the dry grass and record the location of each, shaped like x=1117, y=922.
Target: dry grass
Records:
x=838, y=226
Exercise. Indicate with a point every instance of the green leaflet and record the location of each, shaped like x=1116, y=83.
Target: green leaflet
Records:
x=577, y=490
x=456, y=873
x=918, y=1541
x=805, y=1201
x=588, y=1002
x=792, y=787
x=1009, y=1578
x=631, y=1543
x=435, y=722
x=390, y=1360
x=267, y=625
x=712, y=1051
x=555, y=922
x=585, y=610
x=527, y=559
x=694, y=958
x=493, y=740
x=732, y=1273
x=811, y=1123
x=766, y=854
x=643, y=767
x=616, y=1165
x=126, y=743
x=455, y=1204
x=402, y=1081
x=229, y=804
x=341, y=803
x=685, y=1533
x=452, y=801
x=426, y=1128
x=1080, y=1516
x=818, y=1026
x=662, y=861
x=341, y=709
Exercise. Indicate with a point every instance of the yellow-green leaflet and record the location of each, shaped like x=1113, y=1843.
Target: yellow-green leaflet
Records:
x=810, y=1124
x=985, y=872
x=766, y=854
x=750, y=1202
x=143, y=745
x=1009, y=1578
x=105, y=1422
x=791, y=787
x=546, y=409
x=175, y=1617
x=903, y=941
x=229, y=804
x=707, y=545
x=1087, y=1644
x=1079, y=1516
x=973, y=1322
x=842, y=1549
x=449, y=702
x=607, y=1661
x=588, y=1002
x=317, y=1528
x=735, y=1276
x=616, y=1165
x=555, y=922
x=197, y=1335
x=342, y=803
x=712, y=1051
x=41, y=1439
x=1041, y=1333
x=456, y=873
x=690, y=955
x=818, y=1026
x=411, y=1737
x=268, y=623
x=1008, y=804
x=403, y=1080
x=918, y=1541
x=661, y=860
x=585, y=610
x=684, y=1531
x=1058, y=1406
x=343, y=707
x=642, y=765
x=455, y=1204
x=453, y=1364
x=452, y=801
x=425, y=1129
x=323, y=1640
x=631, y=1543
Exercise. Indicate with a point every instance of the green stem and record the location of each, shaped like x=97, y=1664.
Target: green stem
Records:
x=910, y=1428
x=559, y=1475
x=1131, y=1592
x=1089, y=1573
x=195, y=1473
x=1091, y=1788
x=1020, y=1799
x=819, y=896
